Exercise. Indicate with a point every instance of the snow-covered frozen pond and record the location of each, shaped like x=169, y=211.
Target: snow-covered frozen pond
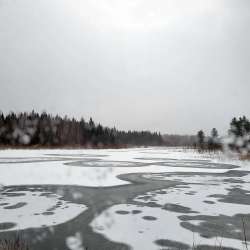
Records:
x=142, y=198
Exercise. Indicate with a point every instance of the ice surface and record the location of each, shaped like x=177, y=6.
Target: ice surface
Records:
x=57, y=173
x=141, y=233
x=35, y=209
x=102, y=168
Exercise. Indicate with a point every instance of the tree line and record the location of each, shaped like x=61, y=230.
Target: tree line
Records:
x=46, y=130
x=237, y=139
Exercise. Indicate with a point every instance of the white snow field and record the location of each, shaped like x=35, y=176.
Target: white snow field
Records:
x=34, y=209
x=150, y=216
x=167, y=223
x=55, y=172
x=142, y=232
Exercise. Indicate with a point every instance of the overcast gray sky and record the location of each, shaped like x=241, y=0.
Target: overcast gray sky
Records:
x=174, y=66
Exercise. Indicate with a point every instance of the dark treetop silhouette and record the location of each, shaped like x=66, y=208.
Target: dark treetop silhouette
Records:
x=45, y=130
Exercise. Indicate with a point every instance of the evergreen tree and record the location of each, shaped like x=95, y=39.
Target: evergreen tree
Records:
x=33, y=129
x=214, y=133
x=240, y=134
x=201, y=139
x=213, y=141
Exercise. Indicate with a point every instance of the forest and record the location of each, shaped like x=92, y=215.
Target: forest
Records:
x=46, y=130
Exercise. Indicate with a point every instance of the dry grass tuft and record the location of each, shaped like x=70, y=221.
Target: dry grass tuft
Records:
x=16, y=244
x=245, y=157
